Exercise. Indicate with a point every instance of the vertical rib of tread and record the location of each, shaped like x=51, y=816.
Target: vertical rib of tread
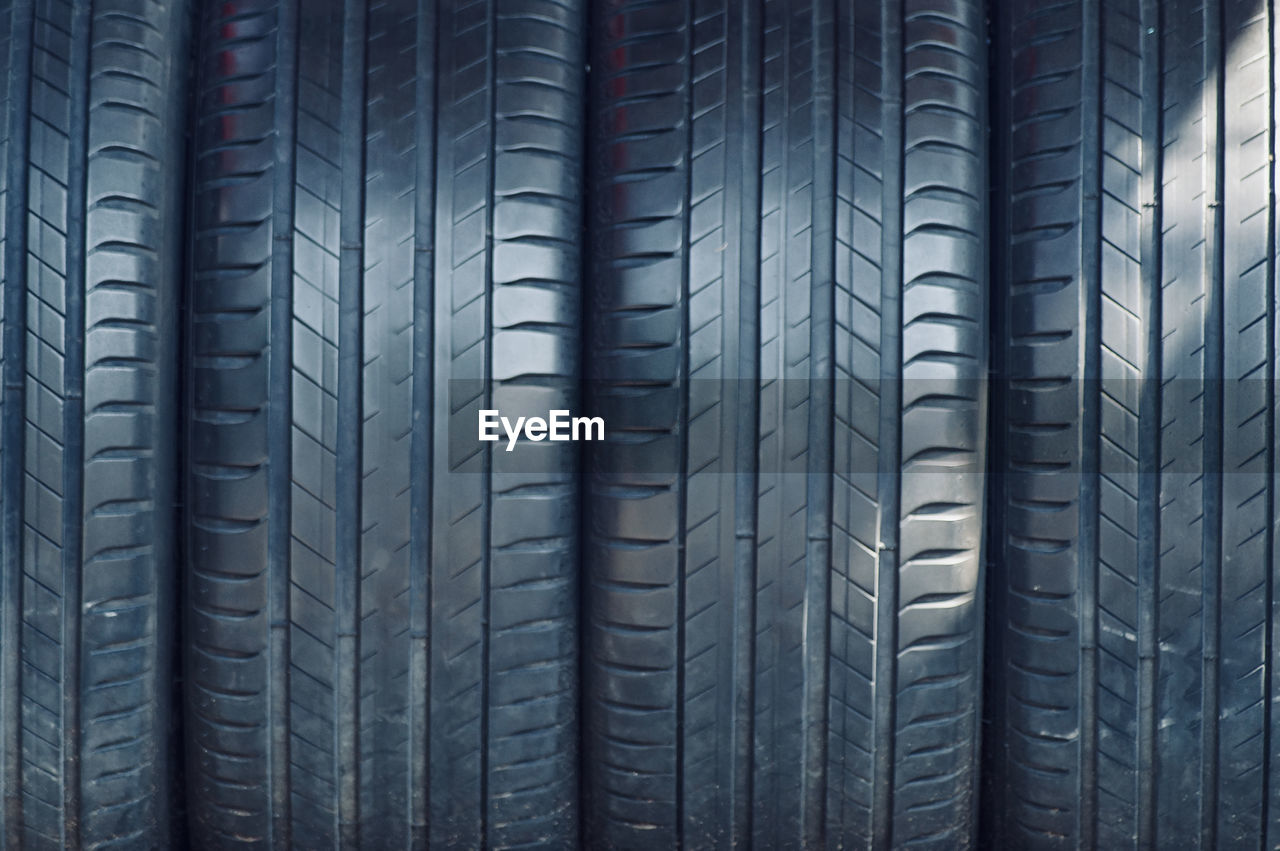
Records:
x=885, y=578
x=1247, y=466
x=941, y=456
x=15, y=51
x=349, y=519
x=237, y=607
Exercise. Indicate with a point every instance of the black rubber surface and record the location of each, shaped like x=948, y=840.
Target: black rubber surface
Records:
x=1134, y=612
x=91, y=163
x=757, y=245
x=788, y=328
x=381, y=610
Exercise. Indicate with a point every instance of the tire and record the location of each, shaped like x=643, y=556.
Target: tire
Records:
x=788, y=310
x=92, y=101
x=1133, y=666
x=381, y=611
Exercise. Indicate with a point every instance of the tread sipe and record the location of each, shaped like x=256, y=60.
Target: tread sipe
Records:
x=92, y=99
x=782, y=630
x=1133, y=662
x=382, y=610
